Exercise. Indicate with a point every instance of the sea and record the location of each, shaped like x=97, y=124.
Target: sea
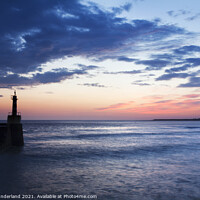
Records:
x=105, y=160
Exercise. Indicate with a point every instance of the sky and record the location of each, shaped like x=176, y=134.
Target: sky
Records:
x=100, y=59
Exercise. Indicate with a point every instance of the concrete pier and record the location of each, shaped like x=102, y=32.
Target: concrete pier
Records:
x=3, y=134
x=11, y=133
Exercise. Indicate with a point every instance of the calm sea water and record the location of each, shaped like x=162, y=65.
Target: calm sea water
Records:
x=128, y=160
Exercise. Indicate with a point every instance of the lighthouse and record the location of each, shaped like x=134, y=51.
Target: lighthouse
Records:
x=14, y=106
x=15, y=131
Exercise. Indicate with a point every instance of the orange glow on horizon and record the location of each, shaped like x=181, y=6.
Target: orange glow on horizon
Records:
x=147, y=107
x=163, y=108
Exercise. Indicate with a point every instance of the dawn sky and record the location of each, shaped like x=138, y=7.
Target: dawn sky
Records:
x=114, y=59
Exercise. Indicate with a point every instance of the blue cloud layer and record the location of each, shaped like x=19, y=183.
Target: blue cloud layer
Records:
x=193, y=82
x=53, y=76
x=170, y=76
x=34, y=32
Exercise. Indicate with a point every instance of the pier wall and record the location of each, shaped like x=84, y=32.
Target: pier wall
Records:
x=3, y=134
x=16, y=133
x=11, y=133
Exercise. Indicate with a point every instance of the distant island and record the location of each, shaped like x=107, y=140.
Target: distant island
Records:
x=194, y=119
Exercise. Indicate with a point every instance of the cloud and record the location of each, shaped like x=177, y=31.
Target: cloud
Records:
x=184, y=64
x=175, y=57
x=125, y=7
x=187, y=49
x=172, y=75
x=54, y=76
x=193, y=82
x=155, y=64
x=21, y=88
x=166, y=107
x=93, y=85
x=118, y=58
x=188, y=103
x=193, y=61
x=191, y=96
x=163, y=101
x=125, y=72
x=178, y=69
x=116, y=106
x=140, y=83
x=157, y=106
x=181, y=64
x=126, y=59
x=35, y=32
x=165, y=56
x=178, y=13
x=196, y=16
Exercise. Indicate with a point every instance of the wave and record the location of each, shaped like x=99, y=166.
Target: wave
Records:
x=192, y=127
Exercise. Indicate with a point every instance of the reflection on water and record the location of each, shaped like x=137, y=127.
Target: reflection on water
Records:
x=112, y=159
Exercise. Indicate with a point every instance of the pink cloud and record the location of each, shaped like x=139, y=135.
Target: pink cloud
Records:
x=116, y=106
x=191, y=96
x=169, y=107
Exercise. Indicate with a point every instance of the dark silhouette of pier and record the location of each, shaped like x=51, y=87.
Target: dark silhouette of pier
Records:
x=11, y=133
